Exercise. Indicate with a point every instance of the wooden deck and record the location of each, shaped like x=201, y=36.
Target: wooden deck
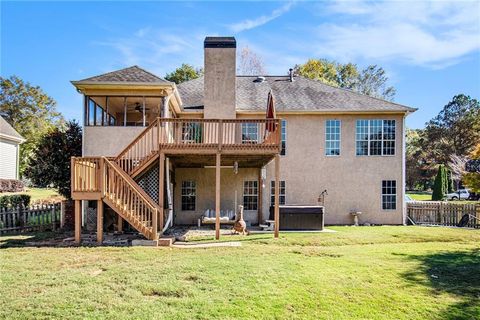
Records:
x=189, y=143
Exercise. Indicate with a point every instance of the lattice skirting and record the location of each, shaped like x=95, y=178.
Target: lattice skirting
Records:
x=149, y=182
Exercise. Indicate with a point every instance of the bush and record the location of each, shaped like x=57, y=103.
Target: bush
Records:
x=11, y=185
x=15, y=200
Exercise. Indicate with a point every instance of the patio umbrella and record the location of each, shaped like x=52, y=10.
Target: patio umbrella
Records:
x=271, y=114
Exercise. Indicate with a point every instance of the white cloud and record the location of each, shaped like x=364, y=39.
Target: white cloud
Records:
x=158, y=50
x=434, y=34
x=257, y=22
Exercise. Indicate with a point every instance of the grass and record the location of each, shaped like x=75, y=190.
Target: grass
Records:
x=355, y=273
x=420, y=196
x=427, y=196
x=37, y=194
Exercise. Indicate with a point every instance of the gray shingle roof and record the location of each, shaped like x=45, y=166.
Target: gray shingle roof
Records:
x=7, y=130
x=300, y=95
x=130, y=74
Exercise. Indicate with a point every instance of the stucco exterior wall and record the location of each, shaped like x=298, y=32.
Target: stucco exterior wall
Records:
x=219, y=83
x=352, y=182
x=107, y=141
x=205, y=188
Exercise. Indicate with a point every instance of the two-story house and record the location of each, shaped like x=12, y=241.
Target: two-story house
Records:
x=160, y=154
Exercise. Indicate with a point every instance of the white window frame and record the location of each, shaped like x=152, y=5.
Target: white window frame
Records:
x=193, y=188
x=246, y=127
x=283, y=138
x=385, y=195
x=280, y=194
x=382, y=141
x=253, y=187
x=327, y=141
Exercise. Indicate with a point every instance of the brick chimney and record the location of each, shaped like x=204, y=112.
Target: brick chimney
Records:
x=219, y=79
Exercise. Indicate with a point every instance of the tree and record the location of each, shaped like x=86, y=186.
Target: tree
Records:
x=29, y=111
x=250, y=64
x=184, y=73
x=419, y=171
x=457, y=168
x=472, y=179
x=455, y=130
x=50, y=164
x=371, y=81
x=440, y=184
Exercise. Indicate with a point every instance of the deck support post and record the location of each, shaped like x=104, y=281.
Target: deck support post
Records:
x=78, y=221
x=217, y=196
x=260, y=197
x=99, y=222
x=119, y=223
x=161, y=188
x=277, y=195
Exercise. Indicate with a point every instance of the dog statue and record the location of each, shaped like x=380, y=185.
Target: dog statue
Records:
x=240, y=226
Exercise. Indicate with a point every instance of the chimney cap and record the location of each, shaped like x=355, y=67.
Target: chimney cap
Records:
x=220, y=42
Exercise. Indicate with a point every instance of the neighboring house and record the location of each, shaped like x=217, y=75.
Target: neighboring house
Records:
x=323, y=137
x=10, y=141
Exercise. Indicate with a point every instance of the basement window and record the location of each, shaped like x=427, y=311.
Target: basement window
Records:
x=189, y=195
x=281, y=197
x=389, y=194
x=250, y=195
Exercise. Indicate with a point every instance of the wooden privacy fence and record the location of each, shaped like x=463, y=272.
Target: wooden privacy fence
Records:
x=443, y=213
x=35, y=218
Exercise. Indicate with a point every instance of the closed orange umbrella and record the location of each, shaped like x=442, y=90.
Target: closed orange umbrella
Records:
x=271, y=114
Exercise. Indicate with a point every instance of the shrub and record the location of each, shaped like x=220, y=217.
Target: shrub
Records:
x=15, y=200
x=11, y=185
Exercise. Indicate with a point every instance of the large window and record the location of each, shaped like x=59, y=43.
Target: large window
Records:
x=189, y=195
x=332, y=137
x=389, y=194
x=281, y=197
x=249, y=132
x=375, y=137
x=284, y=138
x=250, y=195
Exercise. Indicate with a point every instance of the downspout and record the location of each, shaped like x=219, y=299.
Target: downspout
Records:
x=169, y=221
x=404, y=171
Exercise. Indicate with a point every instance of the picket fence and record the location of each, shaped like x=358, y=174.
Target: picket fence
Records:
x=443, y=213
x=34, y=218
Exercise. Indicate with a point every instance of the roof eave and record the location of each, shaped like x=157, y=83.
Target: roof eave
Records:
x=12, y=138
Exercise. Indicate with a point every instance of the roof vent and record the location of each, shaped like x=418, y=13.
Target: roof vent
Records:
x=290, y=74
x=259, y=79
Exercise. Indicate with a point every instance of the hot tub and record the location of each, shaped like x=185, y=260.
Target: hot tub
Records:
x=299, y=217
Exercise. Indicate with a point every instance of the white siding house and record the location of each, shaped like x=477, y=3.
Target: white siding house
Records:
x=10, y=141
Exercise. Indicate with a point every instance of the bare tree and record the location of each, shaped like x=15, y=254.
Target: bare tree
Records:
x=457, y=168
x=250, y=64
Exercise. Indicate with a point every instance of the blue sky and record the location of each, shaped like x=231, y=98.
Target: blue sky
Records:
x=431, y=50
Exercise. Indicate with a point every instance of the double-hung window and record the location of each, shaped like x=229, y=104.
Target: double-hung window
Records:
x=284, y=138
x=332, y=137
x=389, y=194
x=375, y=137
x=189, y=195
x=249, y=132
x=250, y=195
x=281, y=198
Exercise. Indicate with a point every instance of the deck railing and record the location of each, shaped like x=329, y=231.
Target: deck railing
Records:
x=126, y=196
x=86, y=174
x=141, y=149
x=222, y=133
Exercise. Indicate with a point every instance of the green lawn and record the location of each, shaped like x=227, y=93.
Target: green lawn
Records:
x=37, y=193
x=355, y=273
x=420, y=196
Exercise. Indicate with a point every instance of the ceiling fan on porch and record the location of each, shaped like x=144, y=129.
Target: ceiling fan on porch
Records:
x=137, y=106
